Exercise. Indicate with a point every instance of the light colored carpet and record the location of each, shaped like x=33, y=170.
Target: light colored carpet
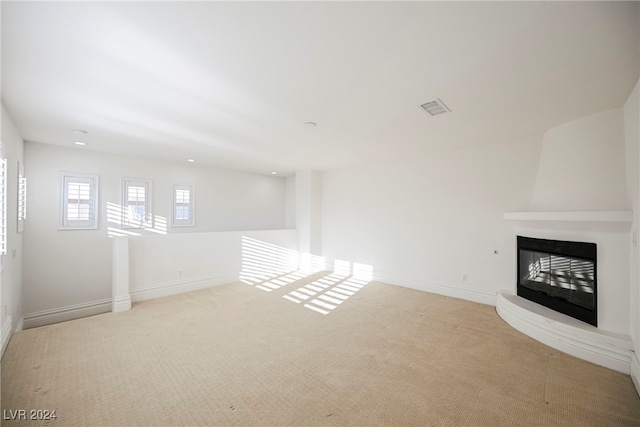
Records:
x=237, y=355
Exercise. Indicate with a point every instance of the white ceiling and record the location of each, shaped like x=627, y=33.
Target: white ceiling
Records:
x=232, y=83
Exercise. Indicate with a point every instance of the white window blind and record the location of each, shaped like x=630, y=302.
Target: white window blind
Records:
x=3, y=203
x=136, y=203
x=183, y=206
x=22, y=197
x=79, y=201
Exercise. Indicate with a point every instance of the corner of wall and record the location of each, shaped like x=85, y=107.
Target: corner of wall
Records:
x=20, y=325
x=6, y=335
x=632, y=146
x=635, y=372
x=11, y=276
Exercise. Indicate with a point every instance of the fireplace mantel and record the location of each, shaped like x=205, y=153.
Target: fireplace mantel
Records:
x=625, y=216
x=572, y=216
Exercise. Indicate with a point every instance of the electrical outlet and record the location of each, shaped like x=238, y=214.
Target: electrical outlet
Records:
x=465, y=277
x=180, y=273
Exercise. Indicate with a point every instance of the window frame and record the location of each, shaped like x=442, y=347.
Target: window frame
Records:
x=22, y=198
x=147, y=220
x=94, y=191
x=4, y=203
x=191, y=221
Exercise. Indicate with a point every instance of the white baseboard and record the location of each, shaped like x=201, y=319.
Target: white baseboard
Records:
x=57, y=315
x=608, y=349
x=20, y=325
x=178, y=287
x=635, y=371
x=121, y=303
x=6, y=334
x=440, y=288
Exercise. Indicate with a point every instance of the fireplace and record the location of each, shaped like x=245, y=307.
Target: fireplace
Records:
x=560, y=275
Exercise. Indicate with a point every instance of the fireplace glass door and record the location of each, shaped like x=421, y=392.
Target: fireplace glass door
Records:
x=571, y=279
x=560, y=275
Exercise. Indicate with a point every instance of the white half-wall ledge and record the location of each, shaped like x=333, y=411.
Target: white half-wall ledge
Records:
x=147, y=267
x=604, y=348
x=624, y=216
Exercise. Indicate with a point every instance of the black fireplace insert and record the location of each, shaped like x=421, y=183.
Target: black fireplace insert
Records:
x=560, y=275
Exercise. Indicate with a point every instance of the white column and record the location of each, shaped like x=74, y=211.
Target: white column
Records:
x=308, y=196
x=120, y=276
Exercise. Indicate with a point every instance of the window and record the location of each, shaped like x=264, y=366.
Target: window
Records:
x=136, y=203
x=22, y=197
x=3, y=202
x=79, y=201
x=183, y=206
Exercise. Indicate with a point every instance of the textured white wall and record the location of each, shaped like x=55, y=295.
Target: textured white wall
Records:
x=425, y=222
x=582, y=165
x=64, y=268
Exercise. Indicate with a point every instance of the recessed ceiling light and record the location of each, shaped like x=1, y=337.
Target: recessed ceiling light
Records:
x=310, y=124
x=191, y=160
x=274, y=173
x=79, y=131
x=79, y=143
x=435, y=107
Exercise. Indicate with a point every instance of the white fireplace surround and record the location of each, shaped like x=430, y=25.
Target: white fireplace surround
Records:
x=624, y=217
x=605, y=345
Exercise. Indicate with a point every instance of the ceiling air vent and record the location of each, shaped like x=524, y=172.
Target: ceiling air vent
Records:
x=435, y=107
